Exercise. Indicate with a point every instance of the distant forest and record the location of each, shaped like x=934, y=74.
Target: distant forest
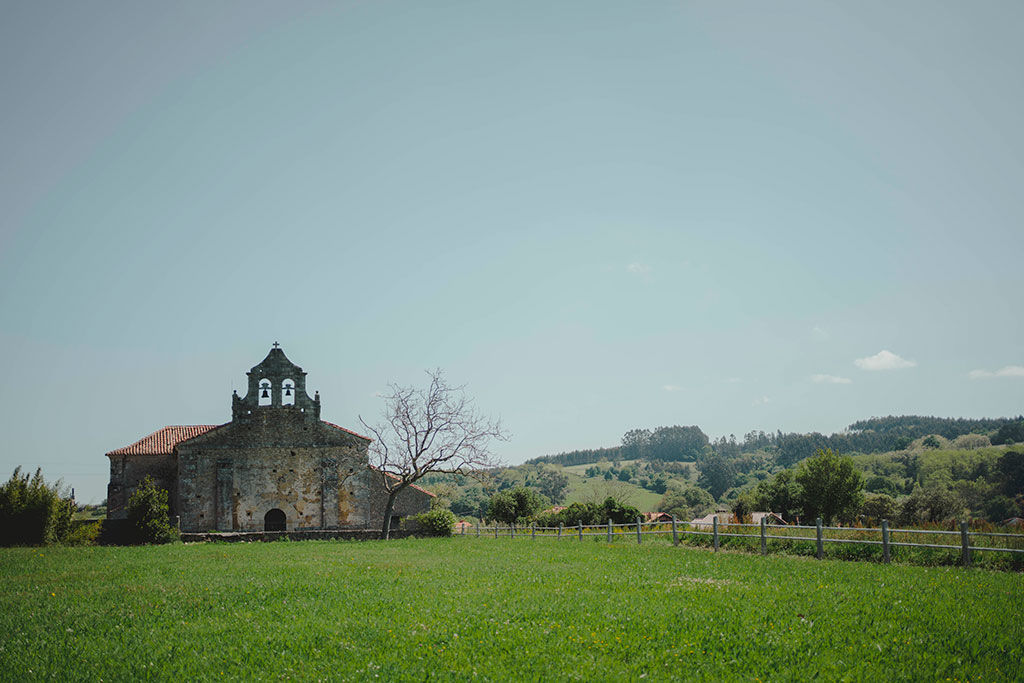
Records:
x=874, y=435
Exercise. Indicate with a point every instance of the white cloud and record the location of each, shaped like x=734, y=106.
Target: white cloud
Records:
x=638, y=268
x=760, y=401
x=883, y=360
x=672, y=387
x=819, y=334
x=830, y=379
x=1007, y=371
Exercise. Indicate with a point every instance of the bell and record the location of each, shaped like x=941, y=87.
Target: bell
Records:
x=265, y=394
x=288, y=391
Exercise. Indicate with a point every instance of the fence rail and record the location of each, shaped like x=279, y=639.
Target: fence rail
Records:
x=766, y=533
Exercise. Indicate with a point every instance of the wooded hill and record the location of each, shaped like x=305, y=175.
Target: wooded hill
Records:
x=927, y=468
x=874, y=435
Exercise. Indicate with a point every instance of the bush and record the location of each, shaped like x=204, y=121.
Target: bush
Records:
x=882, y=484
x=879, y=506
x=518, y=505
x=149, y=515
x=437, y=522
x=32, y=512
x=84, y=533
x=930, y=505
x=591, y=513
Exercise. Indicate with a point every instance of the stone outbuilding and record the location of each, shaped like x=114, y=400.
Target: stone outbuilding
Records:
x=275, y=466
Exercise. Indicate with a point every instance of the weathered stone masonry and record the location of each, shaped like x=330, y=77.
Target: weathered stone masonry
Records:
x=275, y=465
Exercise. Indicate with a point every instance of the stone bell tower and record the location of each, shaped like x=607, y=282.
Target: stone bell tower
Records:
x=275, y=384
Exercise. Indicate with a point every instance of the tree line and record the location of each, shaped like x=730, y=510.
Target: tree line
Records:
x=875, y=435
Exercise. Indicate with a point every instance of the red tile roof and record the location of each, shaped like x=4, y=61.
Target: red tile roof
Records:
x=331, y=424
x=163, y=441
x=657, y=516
x=412, y=486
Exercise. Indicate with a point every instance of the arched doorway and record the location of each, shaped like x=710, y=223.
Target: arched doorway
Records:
x=274, y=520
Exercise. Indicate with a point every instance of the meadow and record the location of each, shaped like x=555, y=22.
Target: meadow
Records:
x=496, y=609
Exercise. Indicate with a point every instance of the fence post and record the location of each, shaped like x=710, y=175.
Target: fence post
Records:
x=675, y=532
x=638, y=531
x=609, y=530
x=965, y=545
x=478, y=528
x=512, y=529
x=495, y=529
x=533, y=530
x=821, y=544
x=714, y=527
x=463, y=529
x=885, y=541
x=764, y=539
x=559, y=529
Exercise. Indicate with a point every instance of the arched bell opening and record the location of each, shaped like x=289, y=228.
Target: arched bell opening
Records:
x=288, y=393
x=263, y=393
x=275, y=520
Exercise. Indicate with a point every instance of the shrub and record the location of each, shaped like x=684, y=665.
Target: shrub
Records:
x=84, y=533
x=879, y=506
x=591, y=513
x=741, y=509
x=518, y=505
x=437, y=522
x=686, y=502
x=33, y=512
x=930, y=504
x=149, y=515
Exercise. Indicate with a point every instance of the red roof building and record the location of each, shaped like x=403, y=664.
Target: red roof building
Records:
x=275, y=466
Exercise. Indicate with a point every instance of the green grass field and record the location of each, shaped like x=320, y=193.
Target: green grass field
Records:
x=583, y=489
x=486, y=609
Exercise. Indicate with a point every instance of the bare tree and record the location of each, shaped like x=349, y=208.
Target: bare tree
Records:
x=436, y=429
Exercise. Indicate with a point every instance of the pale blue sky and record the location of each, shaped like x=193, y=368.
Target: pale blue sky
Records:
x=597, y=215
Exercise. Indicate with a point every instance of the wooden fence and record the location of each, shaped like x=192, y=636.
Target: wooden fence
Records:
x=969, y=541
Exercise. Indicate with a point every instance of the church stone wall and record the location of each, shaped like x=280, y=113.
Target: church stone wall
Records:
x=231, y=477
x=275, y=456
x=409, y=502
x=128, y=471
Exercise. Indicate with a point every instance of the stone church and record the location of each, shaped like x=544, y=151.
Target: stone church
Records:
x=275, y=466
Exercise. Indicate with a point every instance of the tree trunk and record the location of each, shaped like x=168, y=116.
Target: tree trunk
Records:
x=388, y=509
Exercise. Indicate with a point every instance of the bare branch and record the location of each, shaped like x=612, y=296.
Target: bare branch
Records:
x=434, y=430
